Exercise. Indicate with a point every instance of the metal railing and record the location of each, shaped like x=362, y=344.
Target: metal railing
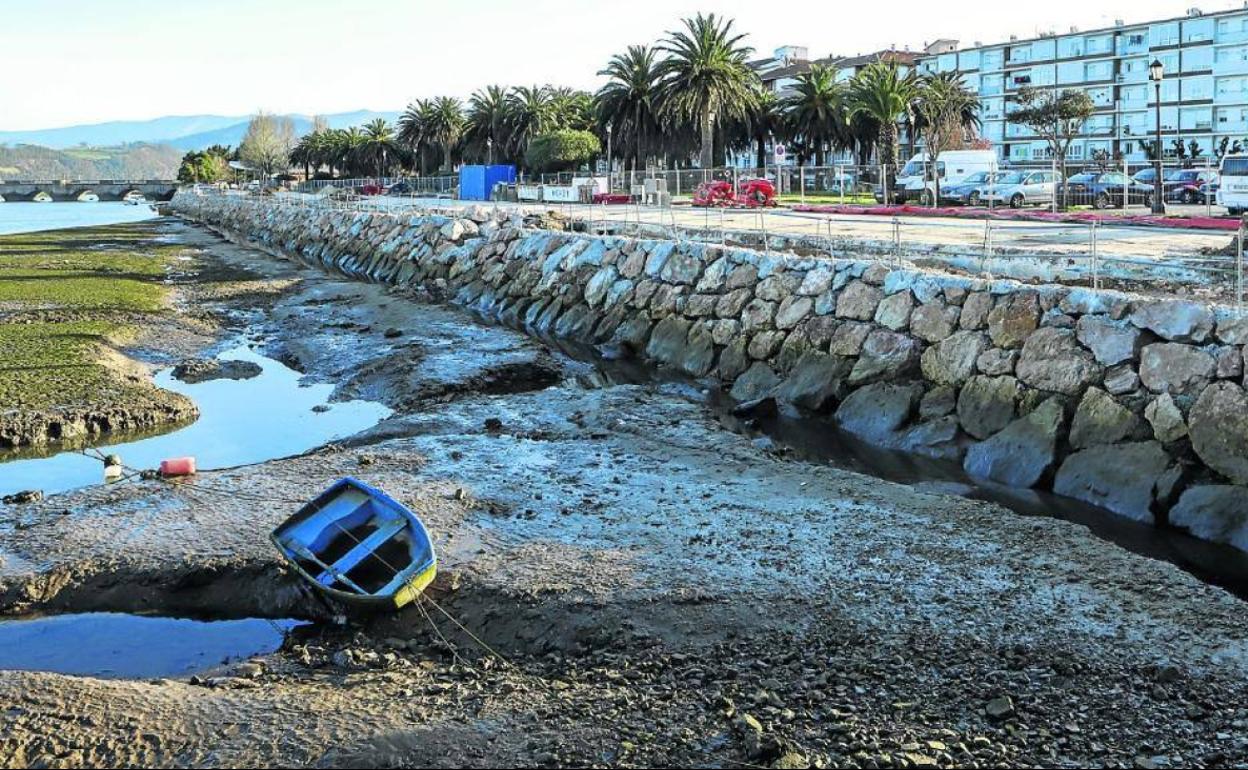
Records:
x=1100, y=254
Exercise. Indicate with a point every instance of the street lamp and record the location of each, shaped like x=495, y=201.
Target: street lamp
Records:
x=1156, y=71
x=608, y=158
x=489, y=150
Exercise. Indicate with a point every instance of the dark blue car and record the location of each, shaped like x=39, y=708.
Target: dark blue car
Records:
x=1103, y=189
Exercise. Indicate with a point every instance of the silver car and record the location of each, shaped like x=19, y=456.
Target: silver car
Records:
x=1024, y=188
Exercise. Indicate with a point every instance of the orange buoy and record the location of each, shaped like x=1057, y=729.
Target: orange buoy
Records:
x=178, y=466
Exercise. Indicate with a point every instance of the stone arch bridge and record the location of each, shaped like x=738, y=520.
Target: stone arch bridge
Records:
x=76, y=190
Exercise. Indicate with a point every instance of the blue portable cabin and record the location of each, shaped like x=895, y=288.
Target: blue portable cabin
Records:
x=477, y=182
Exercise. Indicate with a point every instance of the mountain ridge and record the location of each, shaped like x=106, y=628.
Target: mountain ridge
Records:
x=186, y=132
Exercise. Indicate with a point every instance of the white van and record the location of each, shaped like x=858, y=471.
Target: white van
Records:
x=915, y=181
x=1233, y=184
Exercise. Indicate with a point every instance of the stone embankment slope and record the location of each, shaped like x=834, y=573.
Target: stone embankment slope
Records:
x=1134, y=404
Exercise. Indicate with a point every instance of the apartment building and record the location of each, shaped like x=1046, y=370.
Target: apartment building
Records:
x=779, y=73
x=1204, y=93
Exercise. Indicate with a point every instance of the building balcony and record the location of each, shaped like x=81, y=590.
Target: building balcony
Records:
x=1230, y=67
x=1231, y=37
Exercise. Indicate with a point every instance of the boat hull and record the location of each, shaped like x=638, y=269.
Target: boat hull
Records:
x=360, y=547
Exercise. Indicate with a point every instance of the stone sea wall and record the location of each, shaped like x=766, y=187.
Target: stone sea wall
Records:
x=1137, y=405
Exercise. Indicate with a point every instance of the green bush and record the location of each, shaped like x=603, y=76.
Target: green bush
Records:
x=561, y=151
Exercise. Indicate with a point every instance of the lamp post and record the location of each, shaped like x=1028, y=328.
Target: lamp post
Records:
x=489, y=150
x=1155, y=72
x=608, y=158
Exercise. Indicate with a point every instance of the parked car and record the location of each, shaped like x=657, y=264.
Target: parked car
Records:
x=1023, y=188
x=916, y=180
x=401, y=188
x=1209, y=192
x=970, y=191
x=1183, y=185
x=1103, y=189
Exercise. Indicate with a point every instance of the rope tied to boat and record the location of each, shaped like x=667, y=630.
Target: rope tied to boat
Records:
x=200, y=486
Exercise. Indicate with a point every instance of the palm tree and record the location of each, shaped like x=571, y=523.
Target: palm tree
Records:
x=486, y=121
x=762, y=121
x=344, y=150
x=880, y=92
x=946, y=113
x=528, y=115
x=445, y=126
x=571, y=109
x=379, y=149
x=628, y=100
x=816, y=110
x=414, y=130
x=705, y=76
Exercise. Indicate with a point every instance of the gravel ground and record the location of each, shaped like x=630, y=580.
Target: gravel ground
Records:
x=658, y=591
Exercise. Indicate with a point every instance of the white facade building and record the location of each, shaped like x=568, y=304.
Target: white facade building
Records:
x=1204, y=94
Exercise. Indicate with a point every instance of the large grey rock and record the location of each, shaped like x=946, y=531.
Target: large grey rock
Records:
x=1100, y=419
x=1020, y=454
x=876, y=412
x=1218, y=424
x=1014, y=319
x=935, y=438
x=848, y=338
x=1121, y=379
x=1167, y=421
x=894, y=311
x=758, y=314
x=759, y=381
x=816, y=282
x=763, y=345
x=1172, y=367
x=858, y=301
x=699, y=354
x=975, y=310
x=938, y=402
x=734, y=360
x=952, y=361
x=884, y=355
x=682, y=268
x=1177, y=320
x=987, y=404
x=792, y=311
x=1119, y=477
x=996, y=361
x=1214, y=512
x=1052, y=360
x=815, y=381
x=934, y=321
x=731, y=304
x=667, y=343
x=1112, y=342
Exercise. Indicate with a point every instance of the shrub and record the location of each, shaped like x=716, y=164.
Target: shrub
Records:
x=561, y=150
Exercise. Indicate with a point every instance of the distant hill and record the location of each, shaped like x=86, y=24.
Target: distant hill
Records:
x=232, y=134
x=132, y=161
x=186, y=132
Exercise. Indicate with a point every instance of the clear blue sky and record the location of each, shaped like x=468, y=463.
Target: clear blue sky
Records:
x=86, y=61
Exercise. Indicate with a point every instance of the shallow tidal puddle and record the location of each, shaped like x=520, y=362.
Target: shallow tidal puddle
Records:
x=119, y=646
x=241, y=422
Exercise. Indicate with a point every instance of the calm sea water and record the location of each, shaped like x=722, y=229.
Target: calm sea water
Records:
x=29, y=217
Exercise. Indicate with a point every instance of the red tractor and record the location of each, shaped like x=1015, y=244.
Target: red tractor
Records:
x=751, y=194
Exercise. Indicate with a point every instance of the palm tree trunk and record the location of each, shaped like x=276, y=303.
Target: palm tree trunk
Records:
x=707, y=158
x=819, y=154
x=446, y=157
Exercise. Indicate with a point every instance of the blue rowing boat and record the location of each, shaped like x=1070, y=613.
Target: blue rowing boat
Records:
x=360, y=546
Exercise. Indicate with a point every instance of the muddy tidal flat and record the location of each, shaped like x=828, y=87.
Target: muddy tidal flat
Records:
x=644, y=587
